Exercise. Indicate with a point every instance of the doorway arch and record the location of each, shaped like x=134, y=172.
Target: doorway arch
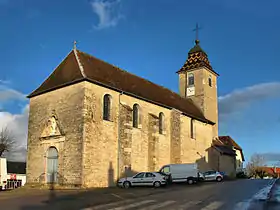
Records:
x=52, y=165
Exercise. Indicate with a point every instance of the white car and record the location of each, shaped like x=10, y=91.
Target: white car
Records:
x=213, y=176
x=143, y=179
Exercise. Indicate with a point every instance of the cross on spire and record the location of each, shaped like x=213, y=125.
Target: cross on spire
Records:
x=197, y=28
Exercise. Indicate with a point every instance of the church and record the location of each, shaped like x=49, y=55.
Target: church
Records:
x=91, y=123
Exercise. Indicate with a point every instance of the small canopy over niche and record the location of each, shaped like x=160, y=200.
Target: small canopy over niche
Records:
x=52, y=128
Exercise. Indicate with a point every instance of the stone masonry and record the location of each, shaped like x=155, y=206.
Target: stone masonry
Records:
x=67, y=105
x=92, y=151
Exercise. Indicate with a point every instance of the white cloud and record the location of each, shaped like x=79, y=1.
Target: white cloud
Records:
x=16, y=123
x=7, y=94
x=107, y=11
x=241, y=99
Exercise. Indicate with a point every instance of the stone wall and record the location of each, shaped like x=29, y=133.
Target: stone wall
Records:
x=67, y=105
x=153, y=142
x=227, y=165
x=175, y=150
x=96, y=152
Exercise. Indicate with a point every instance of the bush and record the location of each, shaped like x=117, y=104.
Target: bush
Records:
x=241, y=175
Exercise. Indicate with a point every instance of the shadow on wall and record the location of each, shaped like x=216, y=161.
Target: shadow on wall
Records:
x=219, y=162
x=202, y=164
x=128, y=172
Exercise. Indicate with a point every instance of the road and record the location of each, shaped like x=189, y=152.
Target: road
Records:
x=230, y=195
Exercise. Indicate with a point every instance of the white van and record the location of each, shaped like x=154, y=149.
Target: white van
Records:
x=185, y=172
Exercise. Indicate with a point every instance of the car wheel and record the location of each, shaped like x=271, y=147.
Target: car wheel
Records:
x=157, y=184
x=190, y=181
x=219, y=179
x=126, y=184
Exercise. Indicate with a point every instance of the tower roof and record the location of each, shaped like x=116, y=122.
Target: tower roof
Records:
x=197, y=58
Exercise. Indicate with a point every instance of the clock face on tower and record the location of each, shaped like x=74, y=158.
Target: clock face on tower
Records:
x=190, y=91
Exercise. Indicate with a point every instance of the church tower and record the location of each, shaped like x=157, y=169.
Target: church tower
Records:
x=198, y=81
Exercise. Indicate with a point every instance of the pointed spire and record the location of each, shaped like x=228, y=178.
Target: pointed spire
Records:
x=75, y=45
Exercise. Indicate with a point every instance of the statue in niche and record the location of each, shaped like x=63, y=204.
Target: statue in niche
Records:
x=52, y=126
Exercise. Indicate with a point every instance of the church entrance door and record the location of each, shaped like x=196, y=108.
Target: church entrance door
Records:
x=52, y=165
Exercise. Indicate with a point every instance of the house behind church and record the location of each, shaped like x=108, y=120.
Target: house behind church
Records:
x=90, y=120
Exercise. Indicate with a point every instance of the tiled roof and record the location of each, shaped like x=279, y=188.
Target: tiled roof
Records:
x=224, y=149
x=227, y=140
x=271, y=170
x=79, y=66
x=228, y=143
x=196, y=58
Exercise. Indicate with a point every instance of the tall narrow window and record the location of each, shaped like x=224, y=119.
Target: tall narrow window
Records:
x=210, y=80
x=192, y=131
x=161, y=123
x=136, y=115
x=190, y=79
x=107, y=107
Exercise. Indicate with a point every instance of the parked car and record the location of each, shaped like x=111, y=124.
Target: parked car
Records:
x=213, y=176
x=187, y=172
x=143, y=179
x=200, y=177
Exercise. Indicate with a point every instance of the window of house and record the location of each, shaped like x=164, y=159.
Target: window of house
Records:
x=192, y=131
x=191, y=79
x=136, y=114
x=210, y=80
x=161, y=123
x=107, y=107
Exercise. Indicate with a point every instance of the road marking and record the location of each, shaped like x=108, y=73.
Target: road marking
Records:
x=244, y=205
x=133, y=205
x=159, y=205
x=106, y=206
x=188, y=205
x=213, y=206
x=113, y=194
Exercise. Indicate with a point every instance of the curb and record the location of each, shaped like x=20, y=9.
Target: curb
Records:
x=270, y=194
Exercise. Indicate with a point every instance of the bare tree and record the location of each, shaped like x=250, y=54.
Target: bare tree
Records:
x=7, y=141
x=254, y=166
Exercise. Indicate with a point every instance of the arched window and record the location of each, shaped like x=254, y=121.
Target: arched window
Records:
x=107, y=107
x=190, y=79
x=192, y=131
x=52, y=165
x=210, y=80
x=161, y=123
x=136, y=115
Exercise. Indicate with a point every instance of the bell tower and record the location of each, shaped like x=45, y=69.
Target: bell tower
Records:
x=198, y=81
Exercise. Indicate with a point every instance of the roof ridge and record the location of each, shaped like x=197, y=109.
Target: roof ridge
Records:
x=146, y=80
x=79, y=63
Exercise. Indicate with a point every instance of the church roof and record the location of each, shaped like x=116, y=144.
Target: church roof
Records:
x=79, y=66
x=197, y=58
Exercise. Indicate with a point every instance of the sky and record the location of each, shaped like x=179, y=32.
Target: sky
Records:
x=151, y=39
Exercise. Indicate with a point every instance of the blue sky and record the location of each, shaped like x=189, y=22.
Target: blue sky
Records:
x=152, y=39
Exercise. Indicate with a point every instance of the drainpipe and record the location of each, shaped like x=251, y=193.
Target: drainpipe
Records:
x=119, y=136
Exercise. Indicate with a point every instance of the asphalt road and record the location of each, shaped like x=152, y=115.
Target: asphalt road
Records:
x=231, y=195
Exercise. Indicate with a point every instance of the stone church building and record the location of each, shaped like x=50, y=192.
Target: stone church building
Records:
x=91, y=122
